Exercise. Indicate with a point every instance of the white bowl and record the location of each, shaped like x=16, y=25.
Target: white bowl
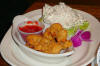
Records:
x=40, y=56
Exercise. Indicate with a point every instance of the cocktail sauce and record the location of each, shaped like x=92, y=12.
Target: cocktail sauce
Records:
x=30, y=28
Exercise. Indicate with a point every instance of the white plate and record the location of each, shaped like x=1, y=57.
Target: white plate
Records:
x=83, y=55
x=98, y=57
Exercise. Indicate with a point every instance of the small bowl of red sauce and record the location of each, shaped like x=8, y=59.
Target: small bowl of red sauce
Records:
x=30, y=27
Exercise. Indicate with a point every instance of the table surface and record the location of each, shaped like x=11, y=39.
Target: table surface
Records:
x=92, y=9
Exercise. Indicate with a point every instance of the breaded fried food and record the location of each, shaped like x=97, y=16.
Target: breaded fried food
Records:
x=54, y=48
x=45, y=41
x=38, y=47
x=33, y=39
x=55, y=28
x=29, y=45
x=61, y=35
x=67, y=44
x=43, y=45
x=47, y=34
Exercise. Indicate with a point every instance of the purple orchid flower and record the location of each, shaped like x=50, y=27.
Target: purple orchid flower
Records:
x=79, y=37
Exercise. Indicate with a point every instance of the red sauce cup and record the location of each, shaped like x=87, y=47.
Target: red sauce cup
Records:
x=30, y=27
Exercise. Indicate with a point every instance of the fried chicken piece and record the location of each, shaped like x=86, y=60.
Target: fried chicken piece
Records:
x=38, y=47
x=51, y=32
x=33, y=39
x=48, y=46
x=45, y=41
x=61, y=35
x=55, y=28
x=43, y=45
x=29, y=45
x=54, y=48
x=47, y=34
x=66, y=44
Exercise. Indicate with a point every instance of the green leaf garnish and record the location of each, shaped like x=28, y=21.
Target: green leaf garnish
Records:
x=84, y=26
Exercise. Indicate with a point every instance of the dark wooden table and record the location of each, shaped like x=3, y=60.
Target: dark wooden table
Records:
x=92, y=9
